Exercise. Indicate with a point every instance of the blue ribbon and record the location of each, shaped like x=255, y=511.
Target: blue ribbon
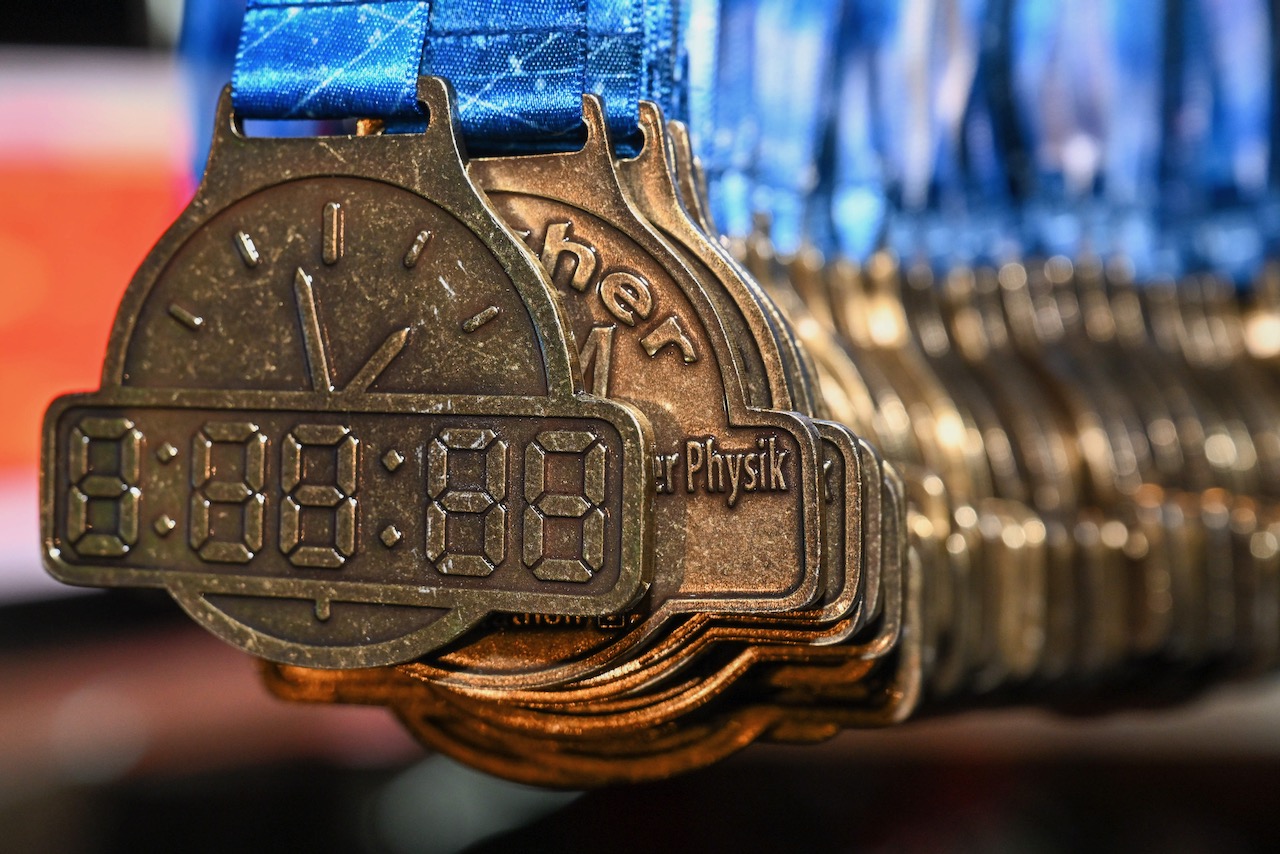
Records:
x=729, y=151
x=924, y=70
x=793, y=68
x=843, y=119
x=520, y=67
x=1132, y=147
x=985, y=167
x=329, y=58
x=859, y=202
x=1056, y=67
x=955, y=56
x=1223, y=140
x=701, y=26
x=207, y=47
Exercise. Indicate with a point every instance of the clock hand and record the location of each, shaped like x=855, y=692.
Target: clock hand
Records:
x=317, y=362
x=387, y=351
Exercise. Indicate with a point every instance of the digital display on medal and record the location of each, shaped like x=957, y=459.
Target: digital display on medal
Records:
x=494, y=497
x=339, y=420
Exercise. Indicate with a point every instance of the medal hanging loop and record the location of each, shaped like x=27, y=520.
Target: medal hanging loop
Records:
x=323, y=59
x=519, y=69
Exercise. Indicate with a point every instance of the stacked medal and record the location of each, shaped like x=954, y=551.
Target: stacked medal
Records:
x=643, y=379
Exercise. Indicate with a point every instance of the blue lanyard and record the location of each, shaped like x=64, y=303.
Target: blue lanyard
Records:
x=925, y=75
x=793, y=72
x=830, y=115
x=985, y=166
x=858, y=199
x=1220, y=139
x=519, y=67
x=729, y=152
x=700, y=23
x=1132, y=146
x=1060, y=60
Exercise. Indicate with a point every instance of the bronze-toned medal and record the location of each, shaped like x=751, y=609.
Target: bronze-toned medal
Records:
x=727, y=475
x=521, y=448
x=327, y=469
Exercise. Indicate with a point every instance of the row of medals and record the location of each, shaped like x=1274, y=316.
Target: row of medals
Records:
x=1038, y=482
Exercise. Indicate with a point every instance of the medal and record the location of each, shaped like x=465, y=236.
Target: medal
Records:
x=276, y=510
x=476, y=415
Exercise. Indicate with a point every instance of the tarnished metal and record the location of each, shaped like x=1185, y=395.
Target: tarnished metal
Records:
x=649, y=335
x=699, y=657
x=341, y=420
x=520, y=449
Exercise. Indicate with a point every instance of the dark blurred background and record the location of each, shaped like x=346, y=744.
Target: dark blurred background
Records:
x=123, y=727
x=101, y=23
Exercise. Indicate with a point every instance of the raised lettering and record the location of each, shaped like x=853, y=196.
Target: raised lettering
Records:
x=626, y=296
x=730, y=472
x=556, y=244
x=734, y=463
x=670, y=332
x=750, y=463
x=776, y=458
x=596, y=358
x=692, y=453
x=715, y=468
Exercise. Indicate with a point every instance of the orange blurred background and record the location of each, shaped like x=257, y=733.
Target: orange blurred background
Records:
x=76, y=218
x=92, y=171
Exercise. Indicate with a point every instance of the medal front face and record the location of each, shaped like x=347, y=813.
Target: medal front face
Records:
x=331, y=427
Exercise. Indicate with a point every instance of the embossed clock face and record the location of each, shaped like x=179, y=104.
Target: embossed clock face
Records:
x=346, y=283
x=334, y=439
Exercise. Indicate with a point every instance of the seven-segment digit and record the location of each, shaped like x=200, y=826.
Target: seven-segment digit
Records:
x=584, y=505
x=484, y=502
x=90, y=486
x=245, y=491
x=338, y=496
